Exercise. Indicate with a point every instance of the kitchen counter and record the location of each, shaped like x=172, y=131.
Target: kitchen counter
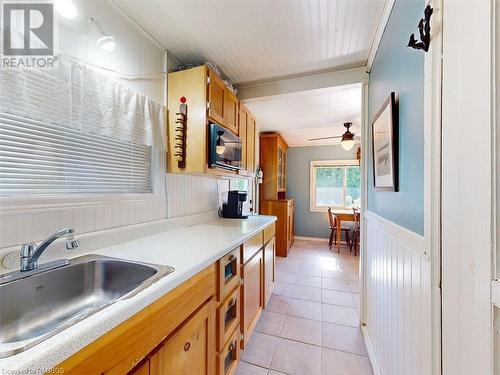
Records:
x=188, y=249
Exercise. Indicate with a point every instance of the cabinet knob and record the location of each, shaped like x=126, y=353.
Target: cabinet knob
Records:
x=187, y=346
x=231, y=258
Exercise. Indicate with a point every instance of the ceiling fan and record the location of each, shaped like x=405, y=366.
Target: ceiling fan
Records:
x=348, y=138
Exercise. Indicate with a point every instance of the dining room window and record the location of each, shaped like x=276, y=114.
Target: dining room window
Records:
x=335, y=184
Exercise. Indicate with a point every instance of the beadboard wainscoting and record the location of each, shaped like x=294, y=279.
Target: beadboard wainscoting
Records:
x=190, y=194
x=35, y=225
x=398, y=298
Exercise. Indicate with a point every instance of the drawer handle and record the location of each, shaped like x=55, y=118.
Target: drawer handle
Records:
x=187, y=346
x=232, y=346
x=231, y=258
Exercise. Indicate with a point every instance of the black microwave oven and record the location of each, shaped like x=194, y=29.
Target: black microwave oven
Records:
x=224, y=149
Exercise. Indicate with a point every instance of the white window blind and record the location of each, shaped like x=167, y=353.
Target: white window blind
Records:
x=72, y=130
x=41, y=158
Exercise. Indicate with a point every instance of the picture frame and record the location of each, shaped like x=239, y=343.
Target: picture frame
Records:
x=385, y=144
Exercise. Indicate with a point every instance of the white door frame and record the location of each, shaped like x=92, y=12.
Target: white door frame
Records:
x=432, y=173
x=467, y=186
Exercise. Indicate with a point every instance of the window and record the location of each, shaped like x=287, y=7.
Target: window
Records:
x=335, y=183
x=41, y=158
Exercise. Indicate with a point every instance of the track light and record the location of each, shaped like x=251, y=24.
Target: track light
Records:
x=105, y=41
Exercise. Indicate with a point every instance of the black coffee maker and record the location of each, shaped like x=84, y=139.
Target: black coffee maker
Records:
x=233, y=209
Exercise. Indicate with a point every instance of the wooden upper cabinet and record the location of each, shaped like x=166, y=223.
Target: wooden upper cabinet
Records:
x=247, y=135
x=242, y=121
x=251, y=143
x=273, y=163
x=191, y=350
x=230, y=111
x=222, y=103
x=216, y=99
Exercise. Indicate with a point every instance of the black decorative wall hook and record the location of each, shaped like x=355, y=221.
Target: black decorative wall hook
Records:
x=424, y=28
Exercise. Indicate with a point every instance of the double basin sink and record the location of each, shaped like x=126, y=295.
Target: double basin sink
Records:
x=36, y=305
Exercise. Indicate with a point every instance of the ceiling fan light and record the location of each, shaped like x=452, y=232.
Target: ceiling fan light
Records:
x=347, y=144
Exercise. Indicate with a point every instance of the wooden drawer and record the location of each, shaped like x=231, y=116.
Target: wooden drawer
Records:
x=228, y=318
x=250, y=247
x=269, y=233
x=228, y=274
x=228, y=358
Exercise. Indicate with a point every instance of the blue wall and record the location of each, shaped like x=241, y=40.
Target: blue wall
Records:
x=401, y=69
x=309, y=224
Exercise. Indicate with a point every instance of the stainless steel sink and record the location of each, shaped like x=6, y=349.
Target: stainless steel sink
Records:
x=35, y=306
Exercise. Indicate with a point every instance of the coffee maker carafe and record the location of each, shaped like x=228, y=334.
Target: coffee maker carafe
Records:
x=233, y=209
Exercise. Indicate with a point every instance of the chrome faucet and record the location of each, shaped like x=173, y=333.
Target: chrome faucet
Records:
x=31, y=252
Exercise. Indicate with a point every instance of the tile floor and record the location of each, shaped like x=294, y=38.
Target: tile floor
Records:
x=311, y=324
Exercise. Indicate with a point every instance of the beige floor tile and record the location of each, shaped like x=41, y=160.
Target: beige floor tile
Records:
x=339, y=274
x=307, y=293
x=270, y=323
x=304, y=309
x=335, y=297
x=296, y=358
x=286, y=277
x=340, y=315
x=288, y=268
x=347, y=339
x=249, y=369
x=300, y=329
x=335, y=362
x=277, y=303
x=310, y=271
x=283, y=289
x=306, y=280
x=335, y=284
x=260, y=349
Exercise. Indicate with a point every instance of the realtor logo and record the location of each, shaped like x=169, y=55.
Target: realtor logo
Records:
x=28, y=30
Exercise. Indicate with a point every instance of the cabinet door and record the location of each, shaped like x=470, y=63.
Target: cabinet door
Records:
x=142, y=369
x=216, y=90
x=269, y=269
x=191, y=351
x=230, y=111
x=252, y=295
x=243, y=136
x=250, y=144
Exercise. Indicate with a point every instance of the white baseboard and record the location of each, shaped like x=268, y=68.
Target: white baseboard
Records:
x=369, y=349
x=319, y=239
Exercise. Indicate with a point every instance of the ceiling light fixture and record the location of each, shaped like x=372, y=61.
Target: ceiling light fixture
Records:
x=105, y=41
x=66, y=8
x=347, y=141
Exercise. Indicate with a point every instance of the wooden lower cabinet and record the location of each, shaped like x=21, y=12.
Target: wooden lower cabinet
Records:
x=269, y=269
x=251, y=291
x=190, y=351
x=196, y=329
x=284, y=209
x=228, y=358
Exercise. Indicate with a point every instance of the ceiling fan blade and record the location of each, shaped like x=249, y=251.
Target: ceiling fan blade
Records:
x=319, y=139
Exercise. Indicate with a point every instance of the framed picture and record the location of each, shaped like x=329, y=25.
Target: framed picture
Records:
x=385, y=146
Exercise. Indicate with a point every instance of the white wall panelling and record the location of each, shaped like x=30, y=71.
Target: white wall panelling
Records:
x=398, y=292
x=257, y=40
x=190, y=194
x=134, y=55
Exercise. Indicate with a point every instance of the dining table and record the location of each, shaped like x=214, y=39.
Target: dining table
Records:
x=340, y=216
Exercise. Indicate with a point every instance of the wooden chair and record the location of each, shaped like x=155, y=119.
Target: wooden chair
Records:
x=355, y=233
x=333, y=230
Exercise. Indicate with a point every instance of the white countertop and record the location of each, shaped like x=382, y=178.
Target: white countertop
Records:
x=188, y=249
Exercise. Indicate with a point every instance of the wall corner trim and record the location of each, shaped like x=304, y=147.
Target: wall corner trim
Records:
x=379, y=32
